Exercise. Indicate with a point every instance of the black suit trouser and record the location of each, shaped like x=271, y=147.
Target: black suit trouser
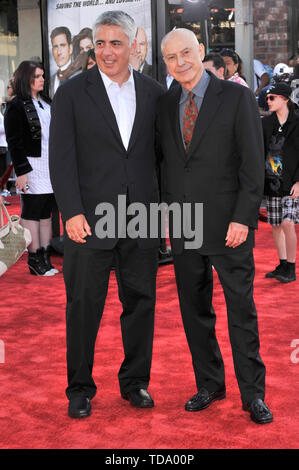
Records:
x=194, y=278
x=86, y=275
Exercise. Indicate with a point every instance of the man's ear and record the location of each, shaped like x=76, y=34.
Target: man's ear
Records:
x=133, y=46
x=223, y=71
x=202, y=50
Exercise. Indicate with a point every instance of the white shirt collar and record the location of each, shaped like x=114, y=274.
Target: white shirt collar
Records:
x=64, y=67
x=108, y=82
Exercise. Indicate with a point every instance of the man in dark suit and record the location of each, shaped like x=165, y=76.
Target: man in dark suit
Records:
x=211, y=149
x=102, y=147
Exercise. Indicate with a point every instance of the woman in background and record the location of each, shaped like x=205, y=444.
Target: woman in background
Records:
x=234, y=66
x=281, y=138
x=27, y=121
x=82, y=42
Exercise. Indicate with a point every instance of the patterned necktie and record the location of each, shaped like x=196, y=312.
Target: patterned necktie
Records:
x=189, y=119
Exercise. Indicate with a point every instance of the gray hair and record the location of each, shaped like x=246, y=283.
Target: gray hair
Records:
x=117, y=18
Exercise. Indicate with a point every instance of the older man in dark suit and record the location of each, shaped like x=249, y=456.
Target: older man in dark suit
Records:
x=102, y=147
x=211, y=149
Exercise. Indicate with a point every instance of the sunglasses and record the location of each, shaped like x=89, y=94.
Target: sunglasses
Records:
x=272, y=97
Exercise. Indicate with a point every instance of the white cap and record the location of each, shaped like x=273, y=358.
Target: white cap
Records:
x=280, y=69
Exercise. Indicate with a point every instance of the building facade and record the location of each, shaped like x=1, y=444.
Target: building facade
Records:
x=275, y=30
x=263, y=29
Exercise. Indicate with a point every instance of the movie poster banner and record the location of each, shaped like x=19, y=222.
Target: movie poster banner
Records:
x=70, y=35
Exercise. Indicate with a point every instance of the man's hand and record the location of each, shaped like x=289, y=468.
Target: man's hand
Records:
x=77, y=228
x=136, y=60
x=236, y=234
x=295, y=190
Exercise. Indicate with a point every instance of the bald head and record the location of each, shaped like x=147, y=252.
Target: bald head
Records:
x=141, y=33
x=182, y=33
x=183, y=56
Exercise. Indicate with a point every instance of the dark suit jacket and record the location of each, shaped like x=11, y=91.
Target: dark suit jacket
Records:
x=290, y=151
x=88, y=162
x=224, y=167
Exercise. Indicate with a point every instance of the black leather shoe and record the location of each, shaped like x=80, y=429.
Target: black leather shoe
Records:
x=79, y=407
x=203, y=399
x=259, y=411
x=140, y=398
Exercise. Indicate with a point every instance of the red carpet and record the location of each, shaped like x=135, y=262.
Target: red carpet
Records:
x=33, y=411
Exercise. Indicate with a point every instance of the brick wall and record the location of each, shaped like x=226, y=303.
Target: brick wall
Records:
x=270, y=18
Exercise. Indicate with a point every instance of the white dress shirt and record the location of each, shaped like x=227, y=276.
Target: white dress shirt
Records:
x=123, y=102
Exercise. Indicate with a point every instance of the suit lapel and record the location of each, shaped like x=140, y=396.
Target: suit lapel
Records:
x=207, y=112
x=174, y=117
x=96, y=90
x=142, y=97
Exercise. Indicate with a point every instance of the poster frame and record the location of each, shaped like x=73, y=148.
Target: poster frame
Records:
x=45, y=41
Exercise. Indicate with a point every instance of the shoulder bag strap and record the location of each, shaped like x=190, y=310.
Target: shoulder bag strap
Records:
x=3, y=208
